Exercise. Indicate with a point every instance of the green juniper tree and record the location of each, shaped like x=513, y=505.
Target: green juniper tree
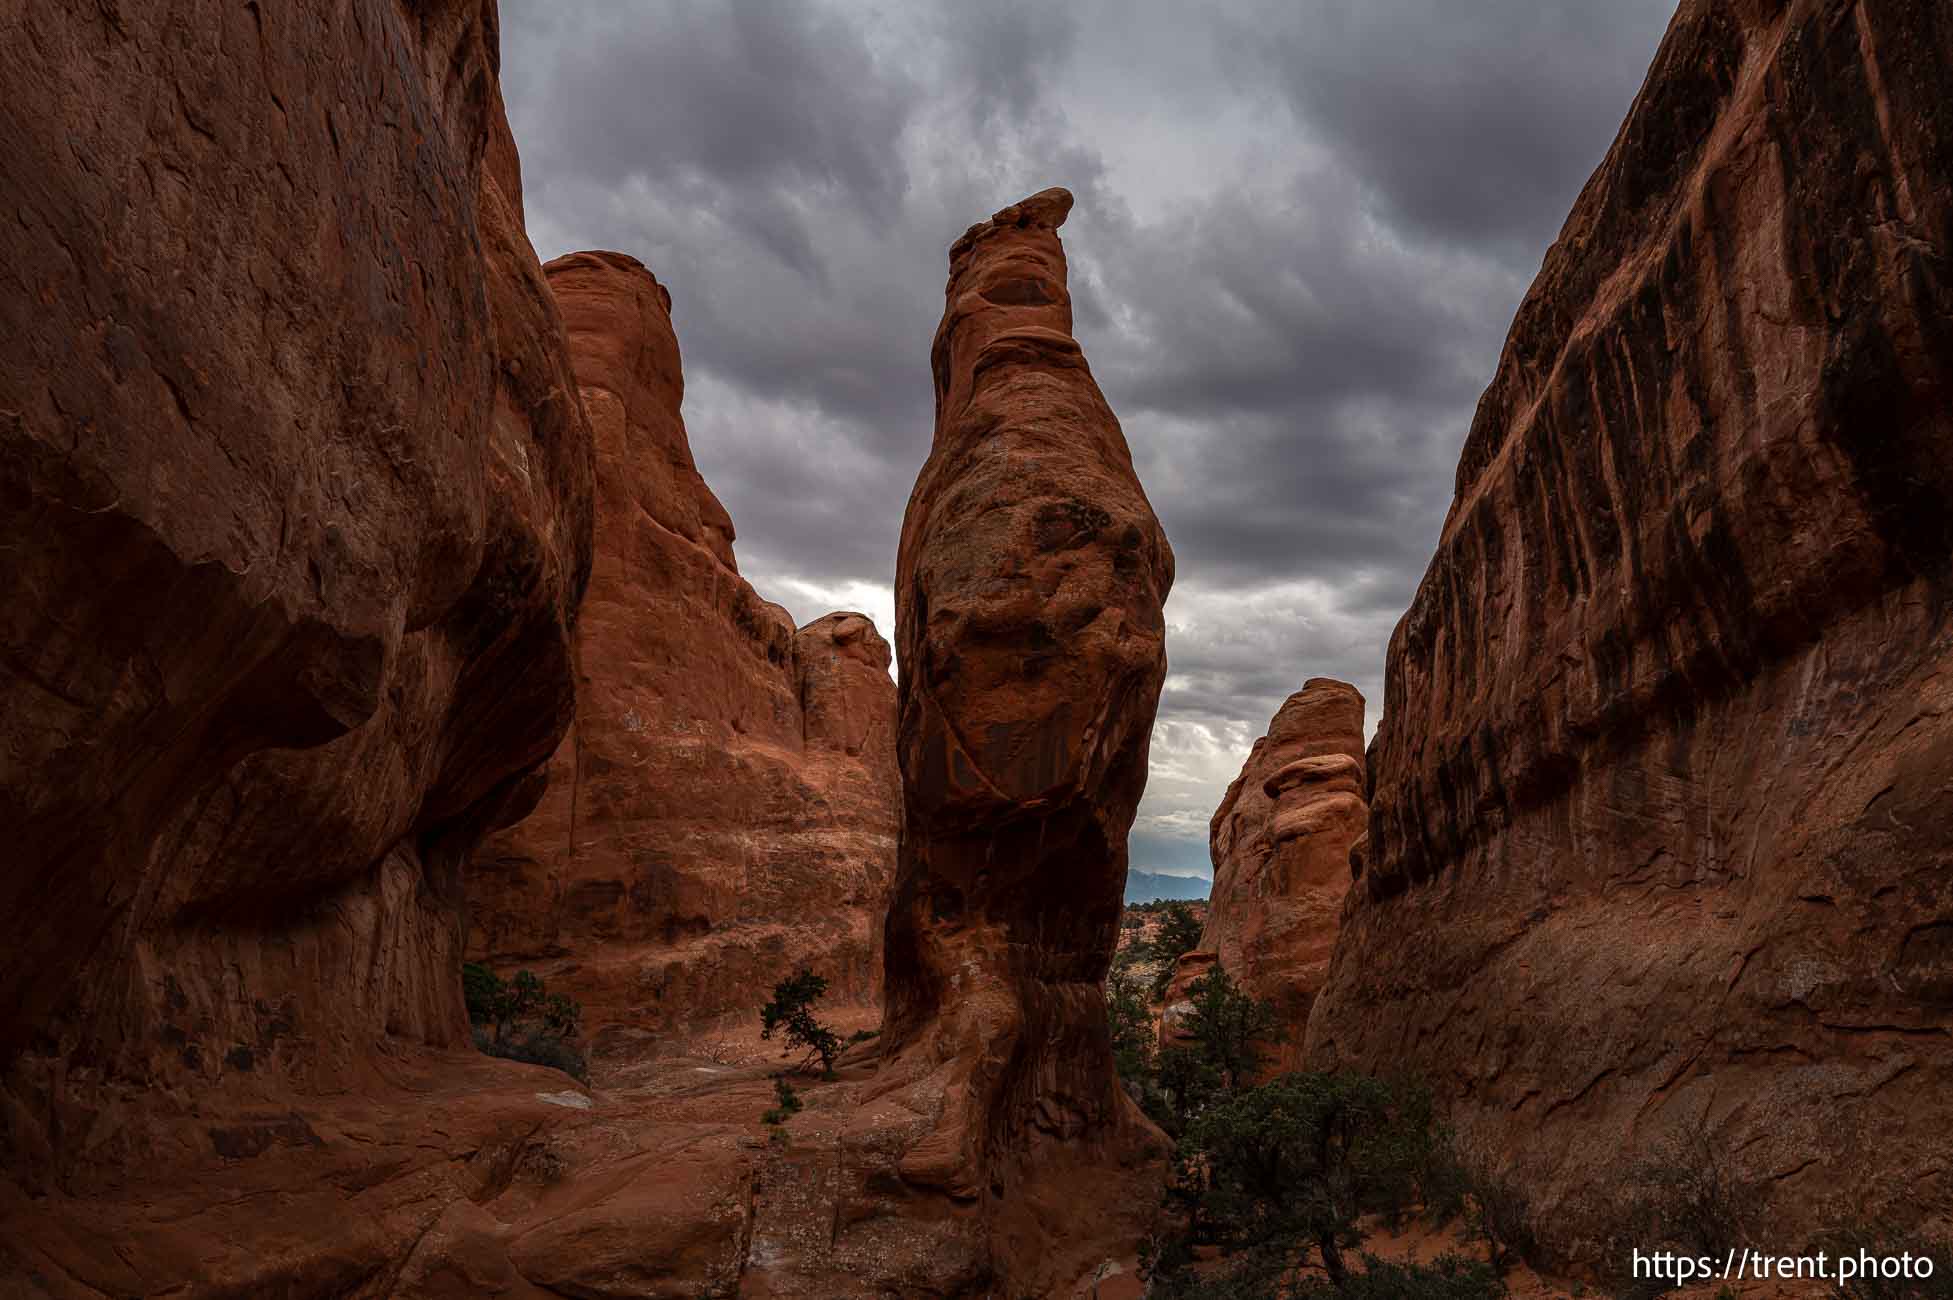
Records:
x=1230, y=1026
x=1279, y=1176
x=791, y=1011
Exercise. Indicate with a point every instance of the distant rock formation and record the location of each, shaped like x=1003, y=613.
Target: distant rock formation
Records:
x=1028, y=589
x=725, y=808
x=1661, y=825
x=1280, y=843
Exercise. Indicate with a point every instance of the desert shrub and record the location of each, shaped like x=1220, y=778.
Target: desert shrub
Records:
x=1280, y=1175
x=562, y=1016
x=519, y=1020
x=479, y=986
x=1883, y=1240
x=863, y=1036
x=1230, y=1027
x=788, y=1099
x=1460, y=1180
x=1131, y=1025
x=520, y=998
x=536, y=1047
x=1688, y=1195
x=1500, y=1214
x=1184, y=1084
x=791, y=1012
x=1178, y=935
x=1684, y=1196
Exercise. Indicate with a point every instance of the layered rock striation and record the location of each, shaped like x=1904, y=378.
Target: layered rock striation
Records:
x=1661, y=833
x=295, y=498
x=1029, y=587
x=724, y=809
x=1280, y=844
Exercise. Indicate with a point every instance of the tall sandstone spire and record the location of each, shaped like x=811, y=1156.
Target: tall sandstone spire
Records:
x=1661, y=825
x=1280, y=846
x=1028, y=593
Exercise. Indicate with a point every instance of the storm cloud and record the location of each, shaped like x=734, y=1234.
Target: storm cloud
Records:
x=1302, y=228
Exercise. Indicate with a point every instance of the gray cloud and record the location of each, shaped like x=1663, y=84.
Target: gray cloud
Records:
x=1301, y=230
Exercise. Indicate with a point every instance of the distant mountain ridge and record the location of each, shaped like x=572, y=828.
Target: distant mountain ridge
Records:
x=1147, y=886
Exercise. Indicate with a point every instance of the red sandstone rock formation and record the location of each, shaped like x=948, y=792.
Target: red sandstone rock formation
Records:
x=1280, y=844
x=725, y=809
x=297, y=500
x=1028, y=589
x=1661, y=828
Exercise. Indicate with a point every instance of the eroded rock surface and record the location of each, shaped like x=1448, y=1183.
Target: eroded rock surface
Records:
x=295, y=495
x=1662, y=814
x=1028, y=587
x=1280, y=846
x=725, y=808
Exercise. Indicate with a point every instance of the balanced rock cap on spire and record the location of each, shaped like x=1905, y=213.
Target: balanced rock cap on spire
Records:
x=1029, y=588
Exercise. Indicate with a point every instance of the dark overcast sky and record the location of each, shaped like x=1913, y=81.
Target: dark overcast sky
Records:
x=1302, y=229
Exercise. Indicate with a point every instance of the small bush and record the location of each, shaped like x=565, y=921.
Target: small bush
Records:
x=1460, y=1180
x=480, y=985
x=791, y=1011
x=789, y=1102
x=517, y=1020
x=1685, y=1196
x=863, y=1036
x=1688, y=1195
x=537, y=1048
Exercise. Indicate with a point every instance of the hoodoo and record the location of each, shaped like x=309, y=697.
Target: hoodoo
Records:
x=1661, y=823
x=1028, y=591
x=724, y=810
x=1280, y=845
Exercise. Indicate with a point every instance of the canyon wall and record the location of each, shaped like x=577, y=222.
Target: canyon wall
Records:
x=1661, y=819
x=724, y=809
x=1280, y=844
x=297, y=515
x=1029, y=587
x=295, y=498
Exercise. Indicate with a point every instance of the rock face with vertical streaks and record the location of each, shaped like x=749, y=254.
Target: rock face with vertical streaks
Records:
x=724, y=809
x=1280, y=845
x=295, y=496
x=1028, y=587
x=1661, y=822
